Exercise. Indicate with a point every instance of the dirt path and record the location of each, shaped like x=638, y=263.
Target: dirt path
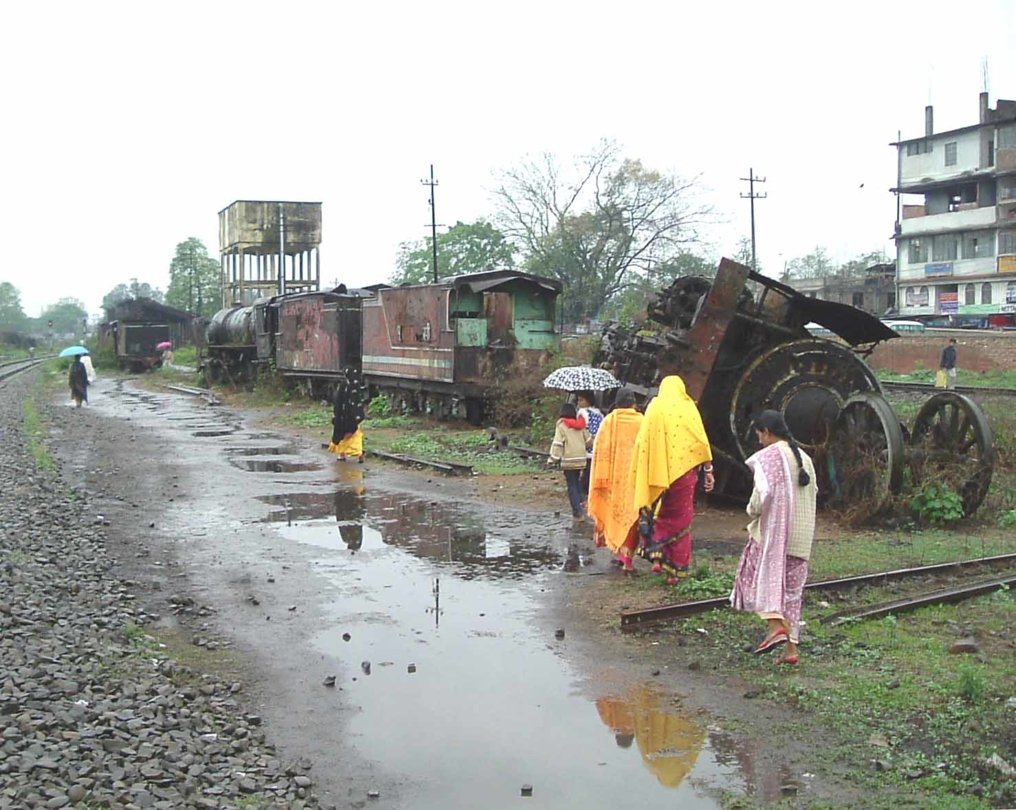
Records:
x=199, y=538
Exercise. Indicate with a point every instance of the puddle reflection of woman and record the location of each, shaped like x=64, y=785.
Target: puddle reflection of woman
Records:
x=774, y=565
x=668, y=742
x=610, y=493
x=347, y=414
x=670, y=447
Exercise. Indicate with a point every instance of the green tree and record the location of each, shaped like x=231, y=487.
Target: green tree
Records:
x=68, y=316
x=465, y=248
x=815, y=265
x=857, y=268
x=130, y=292
x=610, y=218
x=743, y=254
x=12, y=316
x=194, y=279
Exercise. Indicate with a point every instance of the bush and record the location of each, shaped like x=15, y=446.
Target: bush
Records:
x=937, y=503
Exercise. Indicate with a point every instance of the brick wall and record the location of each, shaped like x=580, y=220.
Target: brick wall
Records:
x=976, y=350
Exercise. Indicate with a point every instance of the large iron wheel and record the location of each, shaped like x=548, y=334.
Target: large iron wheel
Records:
x=808, y=381
x=864, y=455
x=952, y=443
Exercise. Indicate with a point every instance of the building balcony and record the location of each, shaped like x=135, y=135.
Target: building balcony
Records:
x=945, y=271
x=950, y=221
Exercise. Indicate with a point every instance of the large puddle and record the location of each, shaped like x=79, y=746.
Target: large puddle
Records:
x=434, y=634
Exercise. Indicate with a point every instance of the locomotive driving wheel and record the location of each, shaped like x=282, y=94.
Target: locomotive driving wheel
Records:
x=864, y=455
x=951, y=442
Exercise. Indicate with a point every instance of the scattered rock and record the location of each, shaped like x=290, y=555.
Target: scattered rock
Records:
x=411, y=668
x=559, y=633
x=694, y=666
x=329, y=681
x=527, y=790
x=965, y=645
x=346, y=636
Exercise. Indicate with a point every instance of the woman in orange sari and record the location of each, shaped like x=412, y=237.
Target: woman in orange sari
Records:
x=670, y=447
x=610, y=494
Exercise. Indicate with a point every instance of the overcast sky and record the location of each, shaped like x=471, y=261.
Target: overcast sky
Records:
x=128, y=126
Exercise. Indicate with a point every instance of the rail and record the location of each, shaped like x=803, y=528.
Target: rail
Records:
x=632, y=620
x=449, y=467
x=928, y=388
x=204, y=393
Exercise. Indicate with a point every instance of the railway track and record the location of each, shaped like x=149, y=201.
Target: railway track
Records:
x=928, y=388
x=633, y=620
x=15, y=367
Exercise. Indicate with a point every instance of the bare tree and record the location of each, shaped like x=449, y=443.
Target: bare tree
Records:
x=607, y=219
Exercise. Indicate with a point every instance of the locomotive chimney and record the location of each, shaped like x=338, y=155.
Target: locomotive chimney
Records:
x=983, y=108
x=929, y=118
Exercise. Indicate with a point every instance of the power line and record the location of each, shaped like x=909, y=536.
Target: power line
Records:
x=751, y=180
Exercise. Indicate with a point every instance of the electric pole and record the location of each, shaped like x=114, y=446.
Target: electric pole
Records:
x=433, y=217
x=282, y=250
x=751, y=180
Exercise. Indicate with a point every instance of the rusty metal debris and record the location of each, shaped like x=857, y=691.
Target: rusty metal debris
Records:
x=741, y=345
x=450, y=467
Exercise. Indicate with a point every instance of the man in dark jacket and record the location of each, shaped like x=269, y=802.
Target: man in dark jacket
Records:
x=948, y=363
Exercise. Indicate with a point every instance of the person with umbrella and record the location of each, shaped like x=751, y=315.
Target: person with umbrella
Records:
x=78, y=379
x=670, y=448
x=569, y=451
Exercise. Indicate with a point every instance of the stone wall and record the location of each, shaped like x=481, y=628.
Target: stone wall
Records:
x=976, y=350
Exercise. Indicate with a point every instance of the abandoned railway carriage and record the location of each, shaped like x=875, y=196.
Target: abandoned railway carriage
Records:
x=437, y=348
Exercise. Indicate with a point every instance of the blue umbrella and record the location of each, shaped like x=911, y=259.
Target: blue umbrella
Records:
x=71, y=351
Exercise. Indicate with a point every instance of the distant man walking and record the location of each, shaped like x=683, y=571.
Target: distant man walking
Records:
x=947, y=363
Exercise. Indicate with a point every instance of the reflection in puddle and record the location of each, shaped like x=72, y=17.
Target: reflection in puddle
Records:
x=273, y=465
x=281, y=450
x=437, y=532
x=668, y=742
x=467, y=698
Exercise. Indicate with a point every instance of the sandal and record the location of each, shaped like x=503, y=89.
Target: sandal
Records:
x=770, y=641
x=788, y=659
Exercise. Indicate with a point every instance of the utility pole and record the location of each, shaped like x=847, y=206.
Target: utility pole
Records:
x=282, y=251
x=433, y=217
x=751, y=180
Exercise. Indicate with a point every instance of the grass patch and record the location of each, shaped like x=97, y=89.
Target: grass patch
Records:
x=34, y=433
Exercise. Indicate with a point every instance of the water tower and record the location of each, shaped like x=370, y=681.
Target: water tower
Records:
x=268, y=248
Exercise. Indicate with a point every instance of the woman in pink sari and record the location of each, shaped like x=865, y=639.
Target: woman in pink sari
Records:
x=774, y=566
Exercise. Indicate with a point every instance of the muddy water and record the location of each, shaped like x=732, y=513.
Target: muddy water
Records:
x=459, y=690
x=433, y=622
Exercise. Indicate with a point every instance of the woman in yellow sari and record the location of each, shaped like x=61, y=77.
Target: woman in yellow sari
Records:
x=610, y=494
x=347, y=414
x=670, y=447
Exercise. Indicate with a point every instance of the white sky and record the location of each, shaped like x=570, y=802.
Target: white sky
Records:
x=129, y=125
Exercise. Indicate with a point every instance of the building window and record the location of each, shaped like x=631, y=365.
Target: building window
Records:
x=986, y=293
x=950, y=153
x=943, y=247
x=1010, y=292
x=917, y=251
x=918, y=148
x=426, y=332
x=969, y=294
x=1006, y=242
x=398, y=330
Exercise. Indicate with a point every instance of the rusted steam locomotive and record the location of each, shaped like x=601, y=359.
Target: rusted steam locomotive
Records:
x=740, y=352
x=436, y=348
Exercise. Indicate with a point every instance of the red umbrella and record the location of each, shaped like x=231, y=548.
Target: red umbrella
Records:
x=166, y=344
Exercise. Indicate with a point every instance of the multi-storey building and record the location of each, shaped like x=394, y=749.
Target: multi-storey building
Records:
x=956, y=249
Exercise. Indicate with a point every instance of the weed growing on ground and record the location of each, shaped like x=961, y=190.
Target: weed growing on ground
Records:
x=33, y=435
x=937, y=503
x=970, y=683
